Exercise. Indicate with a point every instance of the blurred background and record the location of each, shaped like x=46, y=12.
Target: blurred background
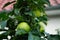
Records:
x=53, y=13
x=2, y=2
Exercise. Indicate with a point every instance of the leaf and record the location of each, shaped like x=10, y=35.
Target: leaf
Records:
x=3, y=24
x=20, y=32
x=18, y=4
x=8, y=4
x=20, y=18
x=3, y=36
x=47, y=1
x=30, y=13
x=33, y=37
x=3, y=16
x=16, y=11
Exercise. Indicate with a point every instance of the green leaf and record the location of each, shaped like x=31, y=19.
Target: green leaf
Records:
x=33, y=37
x=20, y=32
x=3, y=16
x=19, y=18
x=18, y=4
x=3, y=36
x=48, y=1
x=3, y=24
x=16, y=11
x=30, y=13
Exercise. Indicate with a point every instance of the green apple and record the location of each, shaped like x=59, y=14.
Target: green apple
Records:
x=23, y=26
x=37, y=13
x=42, y=26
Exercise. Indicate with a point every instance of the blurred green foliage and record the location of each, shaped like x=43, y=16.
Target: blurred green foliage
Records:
x=23, y=11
